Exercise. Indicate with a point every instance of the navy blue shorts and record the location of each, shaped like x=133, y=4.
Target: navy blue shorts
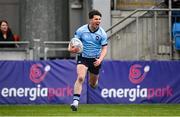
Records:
x=88, y=62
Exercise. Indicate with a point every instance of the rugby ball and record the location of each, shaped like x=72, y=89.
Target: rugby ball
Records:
x=77, y=44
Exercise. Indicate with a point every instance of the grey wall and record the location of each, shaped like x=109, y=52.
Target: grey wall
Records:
x=105, y=10
x=45, y=19
x=143, y=41
x=10, y=11
x=78, y=15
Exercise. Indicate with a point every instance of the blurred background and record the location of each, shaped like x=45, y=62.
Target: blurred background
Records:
x=137, y=29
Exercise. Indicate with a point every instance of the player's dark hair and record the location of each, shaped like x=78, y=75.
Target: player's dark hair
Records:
x=94, y=12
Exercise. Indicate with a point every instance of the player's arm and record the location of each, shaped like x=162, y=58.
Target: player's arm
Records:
x=103, y=52
x=72, y=48
x=102, y=55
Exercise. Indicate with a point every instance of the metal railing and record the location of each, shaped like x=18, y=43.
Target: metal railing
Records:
x=36, y=52
x=50, y=46
x=113, y=33
x=17, y=50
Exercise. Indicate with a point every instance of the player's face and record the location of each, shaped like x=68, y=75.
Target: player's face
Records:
x=95, y=21
x=4, y=27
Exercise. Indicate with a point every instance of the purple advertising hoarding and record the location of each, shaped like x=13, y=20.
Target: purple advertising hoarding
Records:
x=52, y=82
x=137, y=82
x=38, y=82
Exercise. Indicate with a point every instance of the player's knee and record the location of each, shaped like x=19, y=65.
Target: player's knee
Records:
x=80, y=79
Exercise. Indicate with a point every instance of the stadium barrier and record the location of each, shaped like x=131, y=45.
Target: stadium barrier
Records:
x=21, y=51
x=24, y=50
x=54, y=46
x=52, y=82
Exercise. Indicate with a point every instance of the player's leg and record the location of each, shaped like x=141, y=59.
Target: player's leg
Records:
x=94, y=75
x=81, y=74
x=93, y=80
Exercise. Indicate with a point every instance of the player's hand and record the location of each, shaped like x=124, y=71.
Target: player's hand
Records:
x=74, y=49
x=97, y=62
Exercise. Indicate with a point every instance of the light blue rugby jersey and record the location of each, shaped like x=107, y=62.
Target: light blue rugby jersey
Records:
x=92, y=41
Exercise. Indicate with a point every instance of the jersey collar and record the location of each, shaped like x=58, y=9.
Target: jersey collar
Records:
x=92, y=31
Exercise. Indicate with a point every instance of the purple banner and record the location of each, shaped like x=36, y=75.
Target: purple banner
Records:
x=137, y=82
x=38, y=82
x=50, y=82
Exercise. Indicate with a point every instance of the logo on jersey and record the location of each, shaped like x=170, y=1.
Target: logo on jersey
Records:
x=97, y=37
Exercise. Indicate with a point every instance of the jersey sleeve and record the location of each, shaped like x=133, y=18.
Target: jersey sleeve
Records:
x=104, y=40
x=78, y=33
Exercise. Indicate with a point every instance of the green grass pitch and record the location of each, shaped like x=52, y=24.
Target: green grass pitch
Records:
x=92, y=110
